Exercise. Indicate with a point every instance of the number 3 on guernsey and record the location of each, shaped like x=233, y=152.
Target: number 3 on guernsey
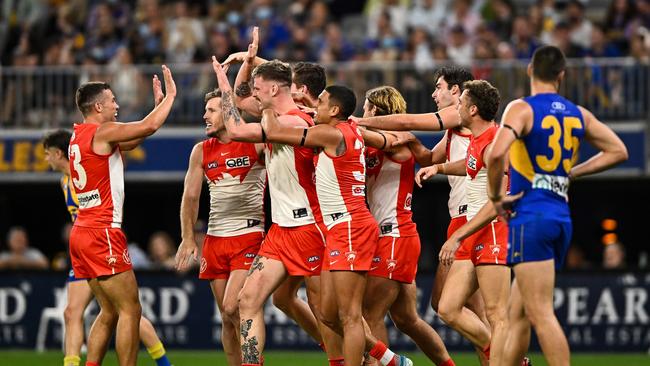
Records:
x=75, y=155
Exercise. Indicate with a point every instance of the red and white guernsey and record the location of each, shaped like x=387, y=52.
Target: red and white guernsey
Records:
x=98, y=180
x=390, y=190
x=236, y=180
x=341, y=180
x=291, y=182
x=456, y=149
x=476, y=177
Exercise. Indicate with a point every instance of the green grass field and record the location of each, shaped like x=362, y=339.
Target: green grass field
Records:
x=205, y=358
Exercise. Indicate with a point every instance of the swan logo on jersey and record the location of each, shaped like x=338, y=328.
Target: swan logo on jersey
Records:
x=391, y=264
x=358, y=190
x=351, y=256
x=213, y=165
x=204, y=265
x=471, y=162
x=112, y=260
x=407, y=202
x=126, y=257
x=238, y=162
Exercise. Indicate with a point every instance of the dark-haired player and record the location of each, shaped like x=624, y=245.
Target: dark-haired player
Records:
x=98, y=247
x=542, y=134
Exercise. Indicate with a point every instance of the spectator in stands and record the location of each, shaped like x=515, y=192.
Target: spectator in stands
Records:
x=428, y=15
x=465, y=16
x=579, y=26
x=600, y=45
x=20, y=255
x=186, y=35
x=614, y=256
x=104, y=38
x=575, y=258
x=499, y=15
x=561, y=39
x=460, y=49
x=139, y=258
x=617, y=21
x=162, y=251
x=523, y=38
x=397, y=13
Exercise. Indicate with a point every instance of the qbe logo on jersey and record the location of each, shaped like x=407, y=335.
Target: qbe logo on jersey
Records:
x=242, y=161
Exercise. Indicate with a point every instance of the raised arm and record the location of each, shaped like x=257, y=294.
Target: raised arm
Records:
x=190, y=208
x=243, y=96
x=115, y=133
x=443, y=119
x=319, y=136
x=612, y=149
x=237, y=128
x=158, y=97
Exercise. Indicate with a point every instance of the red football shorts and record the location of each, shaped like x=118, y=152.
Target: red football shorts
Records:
x=351, y=246
x=299, y=248
x=455, y=224
x=396, y=258
x=96, y=252
x=489, y=245
x=224, y=254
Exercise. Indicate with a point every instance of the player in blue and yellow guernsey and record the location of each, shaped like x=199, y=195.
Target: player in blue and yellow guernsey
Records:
x=542, y=134
x=79, y=293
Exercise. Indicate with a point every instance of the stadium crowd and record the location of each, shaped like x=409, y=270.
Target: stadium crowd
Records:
x=425, y=32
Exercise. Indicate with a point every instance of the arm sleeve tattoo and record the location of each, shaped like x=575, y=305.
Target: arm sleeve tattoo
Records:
x=229, y=109
x=243, y=90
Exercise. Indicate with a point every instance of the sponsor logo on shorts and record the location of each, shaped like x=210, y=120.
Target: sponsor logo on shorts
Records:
x=126, y=257
x=299, y=212
x=554, y=183
x=313, y=258
x=471, y=162
x=386, y=229
x=314, y=268
x=351, y=256
x=334, y=253
x=391, y=264
x=376, y=259
x=213, y=165
x=358, y=190
x=111, y=260
x=238, y=162
x=204, y=265
x=495, y=249
x=252, y=223
x=250, y=255
x=89, y=199
x=478, y=247
x=407, y=203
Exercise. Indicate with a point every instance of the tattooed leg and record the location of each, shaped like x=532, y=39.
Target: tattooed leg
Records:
x=256, y=266
x=250, y=352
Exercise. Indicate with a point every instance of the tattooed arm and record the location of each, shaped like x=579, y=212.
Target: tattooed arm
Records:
x=237, y=128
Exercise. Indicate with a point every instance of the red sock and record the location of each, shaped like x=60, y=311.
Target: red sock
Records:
x=449, y=362
x=90, y=363
x=381, y=353
x=486, y=352
x=337, y=362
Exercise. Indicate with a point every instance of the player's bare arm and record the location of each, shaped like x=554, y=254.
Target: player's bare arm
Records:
x=516, y=122
x=158, y=97
x=612, y=149
x=112, y=133
x=443, y=119
x=243, y=95
x=319, y=136
x=454, y=168
x=237, y=128
x=423, y=155
x=188, y=248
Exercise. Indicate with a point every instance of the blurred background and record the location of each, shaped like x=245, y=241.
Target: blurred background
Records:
x=48, y=48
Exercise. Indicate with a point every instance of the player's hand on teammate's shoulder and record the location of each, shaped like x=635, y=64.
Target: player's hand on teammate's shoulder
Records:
x=402, y=138
x=425, y=173
x=186, y=251
x=448, y=251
